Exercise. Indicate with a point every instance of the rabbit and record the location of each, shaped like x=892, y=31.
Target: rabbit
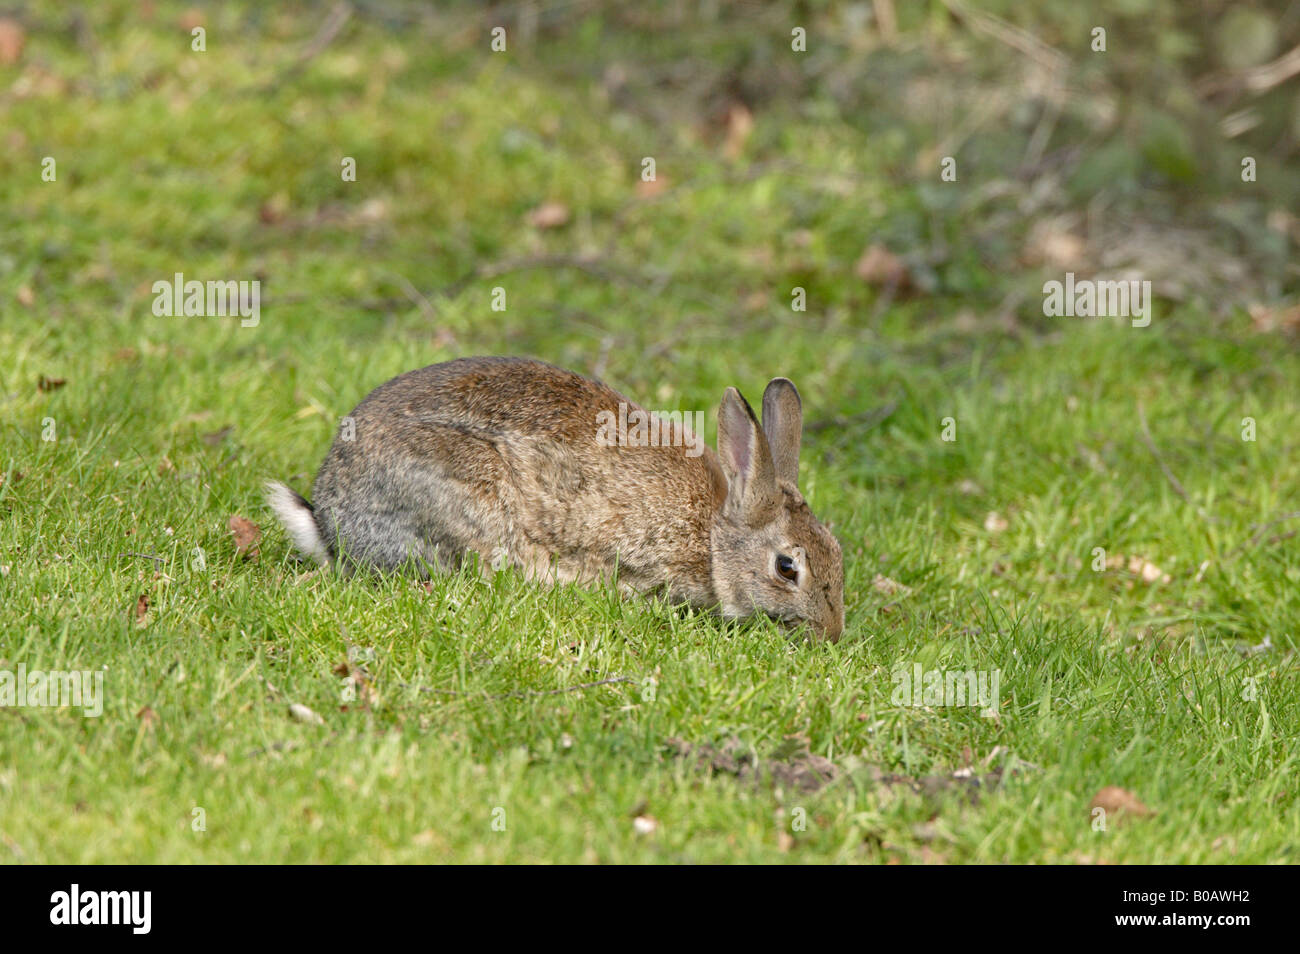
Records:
x=502, y=458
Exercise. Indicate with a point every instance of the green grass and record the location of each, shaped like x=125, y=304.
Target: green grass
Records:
x=165, y=158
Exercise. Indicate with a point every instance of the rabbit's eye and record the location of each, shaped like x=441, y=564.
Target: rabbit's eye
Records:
x=786, y=568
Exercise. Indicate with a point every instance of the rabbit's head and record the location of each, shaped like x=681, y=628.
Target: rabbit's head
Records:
x=770, y=554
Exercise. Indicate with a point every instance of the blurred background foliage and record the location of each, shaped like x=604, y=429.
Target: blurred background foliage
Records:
x=1118, y=151
x=1118, y=155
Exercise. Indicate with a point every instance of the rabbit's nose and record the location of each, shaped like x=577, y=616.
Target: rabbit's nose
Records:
x=832, y=632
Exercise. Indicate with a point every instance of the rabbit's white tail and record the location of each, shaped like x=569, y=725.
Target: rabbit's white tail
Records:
x=299, y=521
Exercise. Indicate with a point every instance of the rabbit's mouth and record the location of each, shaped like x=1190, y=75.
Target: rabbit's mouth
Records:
x=797, y=625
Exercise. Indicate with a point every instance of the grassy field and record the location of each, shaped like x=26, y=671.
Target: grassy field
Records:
x=490, y=720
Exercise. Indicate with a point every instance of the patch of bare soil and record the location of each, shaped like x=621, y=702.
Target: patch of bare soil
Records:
x=791, y=765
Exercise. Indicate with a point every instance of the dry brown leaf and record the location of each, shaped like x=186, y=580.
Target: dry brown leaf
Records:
x=1116, y=801
x=148, y=718
x=649, y=188
x=304, y=714
x=1140, y=567
x=1148, y=571
x=274, y=209
x=426, y=839
x=247, y=534
x=883, y=584
x=373, y=210
x=357, y=677
x=1279, y=318
x=879, y=266
x=142, y=609
x=740, y=123
x=1052, y=244
x=50, y=384
x=548, y=215
x=12, y=39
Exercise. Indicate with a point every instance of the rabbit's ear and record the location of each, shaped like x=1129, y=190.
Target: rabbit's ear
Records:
x=783, y=425
x=747, y=461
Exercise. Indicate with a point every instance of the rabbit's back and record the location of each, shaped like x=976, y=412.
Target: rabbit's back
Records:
x=504, y=458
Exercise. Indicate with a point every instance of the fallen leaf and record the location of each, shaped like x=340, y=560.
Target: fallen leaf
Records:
x=373, y=210
x=26, y=297
x=879, y=266
x=1279, y=318
x=1140, y=567
x=247, y=534
x=1116, y=801
x=147, y=717
x=548, y=215
x=142, y=609
x=355, y=676
x=304, y=714
x=649, y=188
x=995, y=522
x=12, y=39
x=274, y=209
x=1052, y=244
x=883, y=584
x=740, y=123
x=50, y=384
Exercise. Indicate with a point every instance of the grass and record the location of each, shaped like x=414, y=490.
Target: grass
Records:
x=1180, y=690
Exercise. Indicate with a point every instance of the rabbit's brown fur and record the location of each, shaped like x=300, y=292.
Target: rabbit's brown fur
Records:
x=499, y=457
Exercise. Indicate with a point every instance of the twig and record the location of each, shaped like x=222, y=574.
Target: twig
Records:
x=1258, y=79
x=1004, y=32
x=147, y=556
x=1262, y=529
x=417, y=297
x=868, y=419
x=1155, y=452
x=338, y=16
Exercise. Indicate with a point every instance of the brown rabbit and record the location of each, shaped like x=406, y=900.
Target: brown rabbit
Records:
x=504, y=458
